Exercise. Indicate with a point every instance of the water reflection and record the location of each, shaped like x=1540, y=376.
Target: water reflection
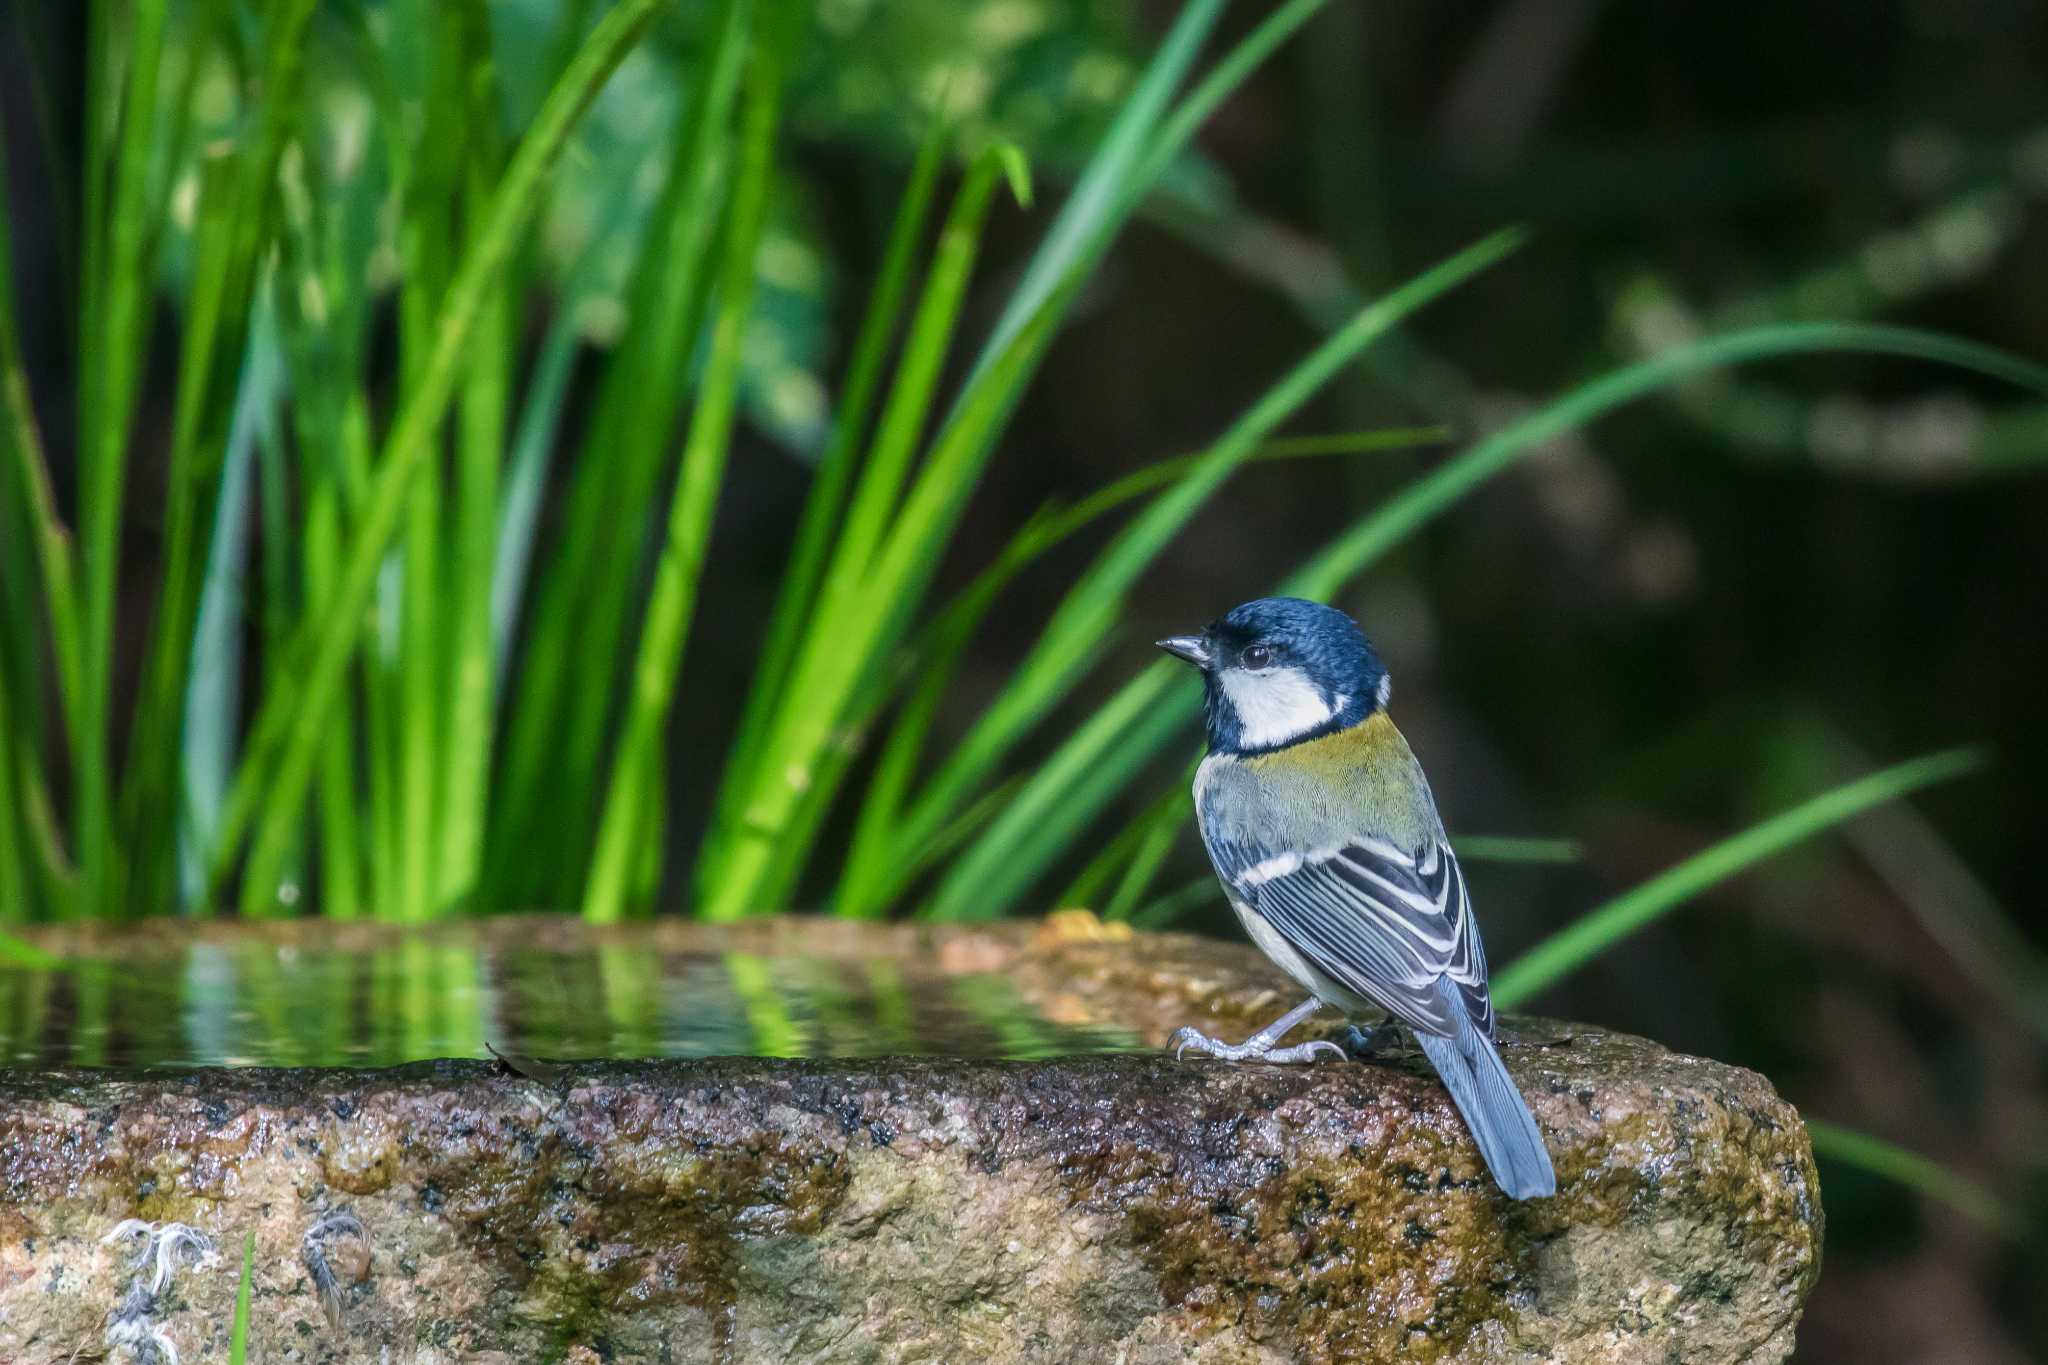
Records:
x=260, y=1003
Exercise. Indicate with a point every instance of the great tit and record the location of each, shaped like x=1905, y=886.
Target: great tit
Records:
x=1327, y=840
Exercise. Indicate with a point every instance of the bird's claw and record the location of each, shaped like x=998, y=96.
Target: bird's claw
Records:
x=1187, y=1040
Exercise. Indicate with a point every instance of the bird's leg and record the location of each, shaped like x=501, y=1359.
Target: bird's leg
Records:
x=1259, y=1047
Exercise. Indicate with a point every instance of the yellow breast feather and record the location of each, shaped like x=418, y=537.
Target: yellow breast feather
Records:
x=1364, y=778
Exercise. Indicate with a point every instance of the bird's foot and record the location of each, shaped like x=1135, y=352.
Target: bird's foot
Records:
x=1257, y=1048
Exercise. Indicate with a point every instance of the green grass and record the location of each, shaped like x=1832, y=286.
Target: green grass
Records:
x=464, y=654
x=238, y=1339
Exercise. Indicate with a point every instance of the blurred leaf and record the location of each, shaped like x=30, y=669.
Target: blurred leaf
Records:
x=628, y=825
x=1916, y=1172
x=212, y=700
x=1594, y=932
x=1050, y=74
x=831, y=486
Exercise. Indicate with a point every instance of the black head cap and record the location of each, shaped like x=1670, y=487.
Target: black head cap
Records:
x=1280, y=670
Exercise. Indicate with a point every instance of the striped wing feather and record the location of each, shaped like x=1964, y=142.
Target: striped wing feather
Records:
x=1386, y=924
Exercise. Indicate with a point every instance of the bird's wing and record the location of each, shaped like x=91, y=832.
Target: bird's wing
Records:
x=1384, y=923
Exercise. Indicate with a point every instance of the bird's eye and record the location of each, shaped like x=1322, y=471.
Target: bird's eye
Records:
x=1257, y=656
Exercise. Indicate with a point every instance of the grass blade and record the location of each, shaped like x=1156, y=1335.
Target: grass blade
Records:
x=238, y=1334
x=1918, y=1173
x=119, y=278
x=1138, y=150
x=1218, y=85
x=1593, y=933
x=469, y=707
x=579, y=633
x=232, y=237
x=56, y=878
x=831, y=484
x=876, y=498
x=1064, y=794
x=21, y=954
x=292, y=719
x=910, y=397
x=1170, y=907
x=1101, y=197
x=428, y=172
x=17, y=900
x=212, y=698
x=1152, y=837
x=626, y=825
x=880, y=565
x=533, y=440
x=835, y=663
x=29, y=462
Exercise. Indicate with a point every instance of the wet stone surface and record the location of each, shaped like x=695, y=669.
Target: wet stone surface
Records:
x=1002, y=1203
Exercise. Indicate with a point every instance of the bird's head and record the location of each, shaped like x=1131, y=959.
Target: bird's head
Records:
x=1280, y=670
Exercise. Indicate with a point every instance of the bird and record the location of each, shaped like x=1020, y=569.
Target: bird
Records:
x=1325, y=836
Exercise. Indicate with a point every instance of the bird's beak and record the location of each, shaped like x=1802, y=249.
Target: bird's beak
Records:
x=1189, y=647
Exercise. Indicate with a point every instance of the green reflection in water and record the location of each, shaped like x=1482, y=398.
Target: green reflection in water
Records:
x=994, y=1002
x=24, y=1005
x=92, y=1014
x=631, y=985
x=223, y=1000
x=841, y=1013
x=775, y=1035
x=893, y=1026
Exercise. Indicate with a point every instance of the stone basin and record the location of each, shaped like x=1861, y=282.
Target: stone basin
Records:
x=804, y=1140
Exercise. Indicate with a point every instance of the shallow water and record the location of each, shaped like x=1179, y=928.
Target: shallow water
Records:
x=215, y=1002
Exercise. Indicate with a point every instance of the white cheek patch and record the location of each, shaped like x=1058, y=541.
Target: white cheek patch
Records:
x=1274, y=707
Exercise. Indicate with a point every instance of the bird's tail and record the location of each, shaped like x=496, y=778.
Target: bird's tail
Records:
x=1500, y=1122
